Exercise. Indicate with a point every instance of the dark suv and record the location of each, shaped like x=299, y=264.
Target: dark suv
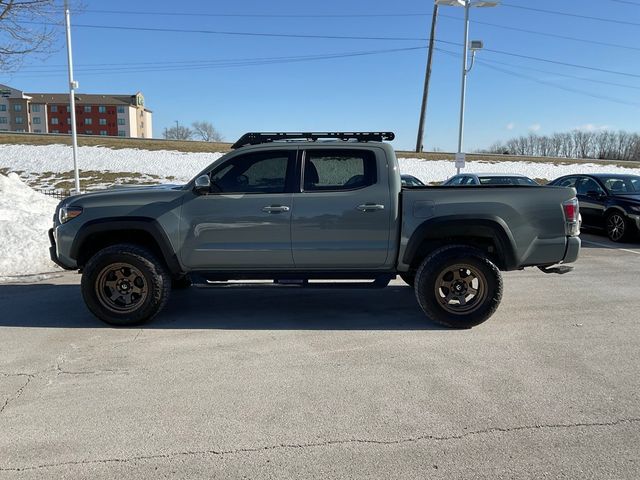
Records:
x=608, y=201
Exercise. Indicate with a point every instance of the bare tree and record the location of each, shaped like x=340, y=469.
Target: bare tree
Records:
x=26, y=27
x=206, y=131
x=604, y=145
x=178, y=133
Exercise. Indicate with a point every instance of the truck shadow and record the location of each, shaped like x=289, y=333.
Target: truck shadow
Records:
x=393, y=308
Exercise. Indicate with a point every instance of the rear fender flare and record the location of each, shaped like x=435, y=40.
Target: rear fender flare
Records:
x=470, y=226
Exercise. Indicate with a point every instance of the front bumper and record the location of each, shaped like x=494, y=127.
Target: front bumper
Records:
x=53, y=252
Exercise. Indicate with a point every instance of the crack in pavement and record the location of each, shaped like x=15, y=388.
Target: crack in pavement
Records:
x=19, y=392
x=41, y=374
x=326, y=443
x=60, y=371
x=90, y=372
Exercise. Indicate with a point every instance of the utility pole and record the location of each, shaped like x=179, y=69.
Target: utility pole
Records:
x=427, y=79
x=72, y=97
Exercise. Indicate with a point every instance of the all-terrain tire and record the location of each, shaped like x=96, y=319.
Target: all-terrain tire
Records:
x=445, y=285
x=125, y=285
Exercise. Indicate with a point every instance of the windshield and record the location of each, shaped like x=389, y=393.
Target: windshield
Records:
x=622, y=185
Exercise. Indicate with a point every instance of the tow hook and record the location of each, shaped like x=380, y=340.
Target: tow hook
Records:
x=559, y=269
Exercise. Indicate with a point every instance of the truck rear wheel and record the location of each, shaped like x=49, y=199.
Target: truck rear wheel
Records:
x=125, y=285
x=458, y=286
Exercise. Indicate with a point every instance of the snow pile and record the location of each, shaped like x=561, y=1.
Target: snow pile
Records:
x=439, y=170
x=25, y=217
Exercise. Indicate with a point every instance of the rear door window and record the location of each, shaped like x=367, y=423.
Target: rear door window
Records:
x=334, y=170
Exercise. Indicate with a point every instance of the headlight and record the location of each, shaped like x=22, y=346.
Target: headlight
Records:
x=68, y=213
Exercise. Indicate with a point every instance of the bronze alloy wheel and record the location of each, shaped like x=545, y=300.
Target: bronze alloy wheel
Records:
x=616, y=227
x=461, y=289
x=121, y=288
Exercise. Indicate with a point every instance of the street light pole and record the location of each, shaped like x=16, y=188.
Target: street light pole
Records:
x=72, y=98
x=463, y=93
x=427, y=79
x=467, y=5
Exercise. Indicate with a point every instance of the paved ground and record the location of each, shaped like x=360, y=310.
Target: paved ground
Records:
x=329, y=384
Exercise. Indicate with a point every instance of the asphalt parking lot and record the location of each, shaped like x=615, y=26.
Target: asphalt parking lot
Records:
x=329, y=384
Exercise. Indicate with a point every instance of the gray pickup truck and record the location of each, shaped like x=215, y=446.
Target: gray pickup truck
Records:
x=301, y=209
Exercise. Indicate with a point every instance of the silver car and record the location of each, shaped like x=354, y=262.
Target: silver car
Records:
x=489, y=179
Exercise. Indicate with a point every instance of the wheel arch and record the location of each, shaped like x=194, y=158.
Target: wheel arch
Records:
x=611, y=208
x=490, y=234
x=142, y=231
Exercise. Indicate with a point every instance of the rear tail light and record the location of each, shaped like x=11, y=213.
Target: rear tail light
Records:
x=571, y=216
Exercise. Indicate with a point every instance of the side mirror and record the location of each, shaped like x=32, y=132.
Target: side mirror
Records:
x=202, y=184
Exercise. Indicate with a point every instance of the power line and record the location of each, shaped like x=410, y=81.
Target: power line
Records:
x=260, y=15
x=225, y=63
x=628, y=2
x=566, y=75
x=574, y=15
x=380, y=15
x=215, y=32
x=547, y=34
x=566, y=64
x=561, y=87
x=364, y=15
x=340, y=37
x=222, y=32
x=547, y=83
x=230, y=62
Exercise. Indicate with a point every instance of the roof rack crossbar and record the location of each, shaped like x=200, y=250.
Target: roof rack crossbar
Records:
x=256, y=138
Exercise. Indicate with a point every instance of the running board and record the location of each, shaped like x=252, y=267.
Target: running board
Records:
x=379, y=282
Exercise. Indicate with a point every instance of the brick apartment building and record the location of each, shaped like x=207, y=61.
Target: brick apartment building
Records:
x=107, y=115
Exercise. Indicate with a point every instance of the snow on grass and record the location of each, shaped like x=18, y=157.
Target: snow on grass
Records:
x=37, y=159
x=25, y=217
x=170, y=166
x=439, y=170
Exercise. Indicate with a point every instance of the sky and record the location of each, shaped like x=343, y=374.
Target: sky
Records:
x=266, y=69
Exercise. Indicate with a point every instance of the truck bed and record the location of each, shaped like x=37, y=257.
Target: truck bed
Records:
x=527, y=220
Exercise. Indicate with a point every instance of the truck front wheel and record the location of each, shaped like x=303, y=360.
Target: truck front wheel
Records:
x=125, y=285
x=458, y=286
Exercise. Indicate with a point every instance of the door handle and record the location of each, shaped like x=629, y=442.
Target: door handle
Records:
x=370, y=207
x=275, y=209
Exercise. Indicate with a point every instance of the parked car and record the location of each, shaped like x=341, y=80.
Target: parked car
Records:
x=608, y=201
x=411, y=181
x=285, y=207
x=489, y=179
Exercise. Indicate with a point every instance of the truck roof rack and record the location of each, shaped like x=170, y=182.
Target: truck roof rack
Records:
x=255, y=138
